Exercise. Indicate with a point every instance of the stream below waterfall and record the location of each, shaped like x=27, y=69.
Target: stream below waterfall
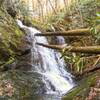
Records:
x=47, y=62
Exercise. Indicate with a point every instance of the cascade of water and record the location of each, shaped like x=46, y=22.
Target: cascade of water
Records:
x=48, y=63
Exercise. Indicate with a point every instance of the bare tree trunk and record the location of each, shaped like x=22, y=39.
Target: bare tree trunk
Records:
x=41, y=8
x=56, y=5
x=47, y=6
x=87, y=49
x=52, y=6
x=65, y=4
x=1, y=2
x=77, y=32
x=33, y=4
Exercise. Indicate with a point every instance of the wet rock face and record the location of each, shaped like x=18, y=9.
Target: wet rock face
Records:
x=24, y=62
x=10, y=6
x=13, y=39
x=10, y=34
x=87, y=89
x=24, y=59
x=18, y=85
x=23, y=55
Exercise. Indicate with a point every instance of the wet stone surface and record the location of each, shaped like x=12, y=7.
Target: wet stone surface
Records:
x=19, y=85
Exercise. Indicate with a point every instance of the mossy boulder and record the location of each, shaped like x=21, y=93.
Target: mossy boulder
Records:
x=87, y=88
x=19, y=85
x=10, y=36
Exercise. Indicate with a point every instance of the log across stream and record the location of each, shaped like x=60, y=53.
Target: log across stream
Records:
x=86, y=49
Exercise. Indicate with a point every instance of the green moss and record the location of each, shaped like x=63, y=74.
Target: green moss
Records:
x=10, y=36
x=25, y=84
x=82, y=89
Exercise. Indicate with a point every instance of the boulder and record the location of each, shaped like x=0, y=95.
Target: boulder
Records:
x=19, y=85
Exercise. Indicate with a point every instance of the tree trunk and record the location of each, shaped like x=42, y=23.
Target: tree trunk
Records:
x=87, y=49
x=77, y=32
x=1, y=2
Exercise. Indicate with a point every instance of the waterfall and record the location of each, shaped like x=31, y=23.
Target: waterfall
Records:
x=47, y=62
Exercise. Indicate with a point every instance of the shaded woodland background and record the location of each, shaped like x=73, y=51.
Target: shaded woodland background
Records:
x=48, y=16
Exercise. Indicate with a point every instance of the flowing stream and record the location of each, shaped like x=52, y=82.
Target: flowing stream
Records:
x=47, y=62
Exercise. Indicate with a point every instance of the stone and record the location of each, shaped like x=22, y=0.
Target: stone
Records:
x=20, y=85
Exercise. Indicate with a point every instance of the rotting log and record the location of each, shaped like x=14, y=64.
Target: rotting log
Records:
x=86, y=49
x=76, y=32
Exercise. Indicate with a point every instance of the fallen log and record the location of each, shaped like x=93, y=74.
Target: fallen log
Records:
x=87, y=49
x=77, y=32
x=57, y=47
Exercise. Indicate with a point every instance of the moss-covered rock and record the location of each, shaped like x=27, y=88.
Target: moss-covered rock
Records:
x=10, y=36
x=86, y=89
x=18, y=85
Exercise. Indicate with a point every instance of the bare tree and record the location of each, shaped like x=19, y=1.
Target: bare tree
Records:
x=52, y=6
x=41, y=8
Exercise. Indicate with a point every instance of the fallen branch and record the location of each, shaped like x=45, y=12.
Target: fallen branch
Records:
x=77, y=32
x=87, y=49
x=57, y=47
x=98, y=60
x=95, y=68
